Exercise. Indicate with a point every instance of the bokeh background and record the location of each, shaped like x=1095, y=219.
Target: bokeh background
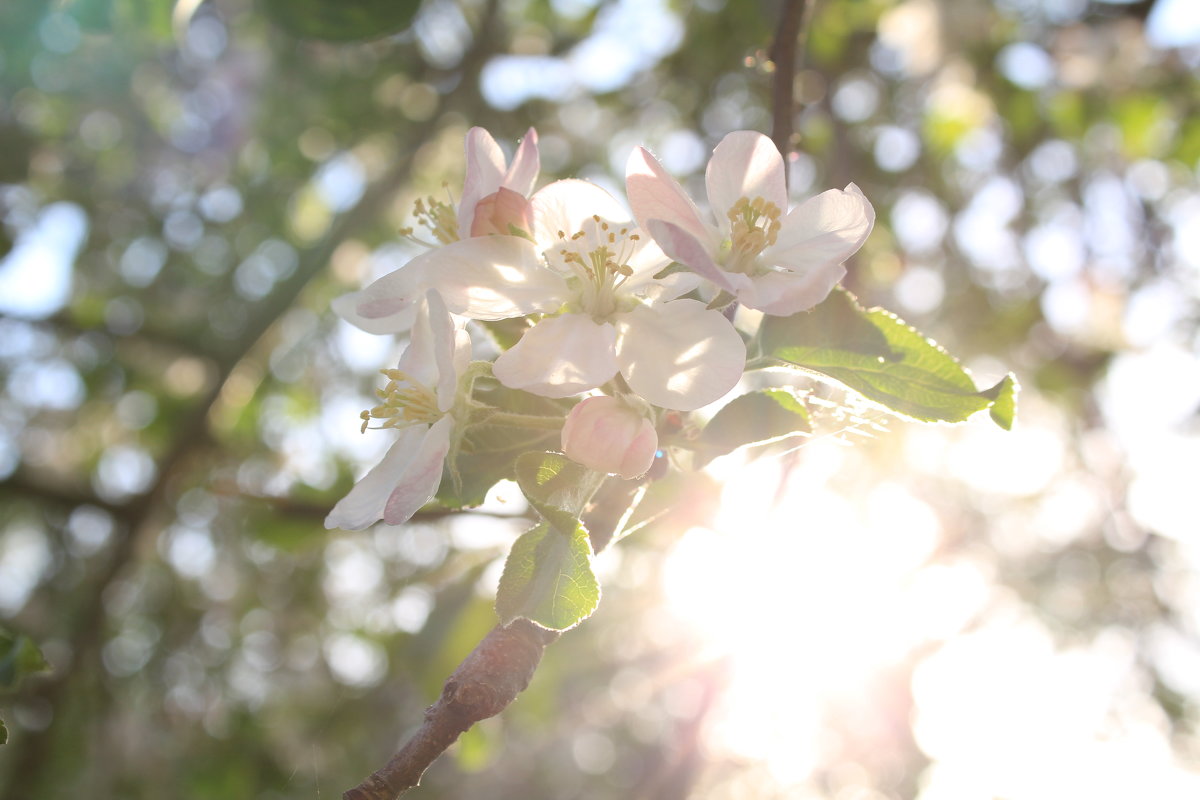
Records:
x=886, y=611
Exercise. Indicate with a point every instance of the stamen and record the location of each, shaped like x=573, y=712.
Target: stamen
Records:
x=405, y=402
x=754, y=226
x=438, y=217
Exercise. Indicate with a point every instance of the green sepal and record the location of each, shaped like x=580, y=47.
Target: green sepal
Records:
x=548, y=578
x=670, y=269
x=881, y=357
x=722, y=300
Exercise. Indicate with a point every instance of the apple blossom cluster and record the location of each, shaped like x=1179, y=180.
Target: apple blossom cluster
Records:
x=631, y=310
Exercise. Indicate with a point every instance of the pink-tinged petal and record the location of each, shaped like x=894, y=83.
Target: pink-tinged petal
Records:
x=648, y=262
x=679, y=354
x=606, y=434
x=523, y=171
x=484, y=173
x=495, y=277
x=640, y=455
x=559, y=357
x=653, y=194
x=563, y=206
x=826, y=229
x=422, y=476
x=689, y=251
x=501, y=212
x=387, y=305
x=363, y=505
x=745, y=164
x=784, y=293
x=392, y=315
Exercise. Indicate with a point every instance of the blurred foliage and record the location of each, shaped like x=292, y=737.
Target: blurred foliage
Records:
x=178, y=417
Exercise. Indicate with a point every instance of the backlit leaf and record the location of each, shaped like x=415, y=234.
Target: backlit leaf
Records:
x=894, y=365
x=548, y=579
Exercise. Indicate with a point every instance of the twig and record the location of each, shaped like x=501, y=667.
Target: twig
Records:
x=787, y=51
x=496, y=671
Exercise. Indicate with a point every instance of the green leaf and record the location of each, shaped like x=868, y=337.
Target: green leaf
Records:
x=548, y=579
x=3, y=733
x=557, y=487
x=836, y=330
x=754, y=418
x=883, y=358
x=19, y=657
x=341, y=20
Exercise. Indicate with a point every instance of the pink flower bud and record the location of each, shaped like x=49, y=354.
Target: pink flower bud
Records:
x=607, y=435
x=502, y=212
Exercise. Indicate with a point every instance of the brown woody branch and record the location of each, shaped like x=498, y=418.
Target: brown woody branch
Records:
x=490, y=678
x=785, y=53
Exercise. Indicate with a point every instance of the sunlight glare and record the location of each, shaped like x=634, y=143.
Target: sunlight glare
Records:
x=809, y=598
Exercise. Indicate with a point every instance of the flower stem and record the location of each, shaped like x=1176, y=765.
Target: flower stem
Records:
x=515, y=420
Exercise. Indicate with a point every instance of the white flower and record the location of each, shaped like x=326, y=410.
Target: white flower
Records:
x=594, y=275
x=775, y=262
x=417, y=401
x=494, y=195
x=608, y=435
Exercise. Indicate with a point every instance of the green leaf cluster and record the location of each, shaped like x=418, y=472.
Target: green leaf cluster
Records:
x=548, y=576
x=884, y=359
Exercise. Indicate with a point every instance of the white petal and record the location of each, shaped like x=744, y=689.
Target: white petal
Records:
x=485, y=171
x=653, y=194
x=444, y=350
x=422, y=476
x=419, y=359
x=826, y=229
x=744, y=164
x=559, y=357
x=363, y=505
x=679, y=354
x=564, y=205
x=386, y=306
x=495, y=277
x=786, y=293
x=523, y=172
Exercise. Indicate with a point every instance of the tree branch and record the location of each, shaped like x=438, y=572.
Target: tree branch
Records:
x=496, y=671
x=786, y=53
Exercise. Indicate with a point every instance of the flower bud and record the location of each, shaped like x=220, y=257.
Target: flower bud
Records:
x=504, y=213
x=607, y=435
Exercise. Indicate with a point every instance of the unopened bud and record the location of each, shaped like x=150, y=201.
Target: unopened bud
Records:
x=607, y=435
x=502, y=213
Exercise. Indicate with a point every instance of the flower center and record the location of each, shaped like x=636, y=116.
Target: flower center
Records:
x=404, y=402
x=438, y=217
x=598, y=255
x=753, y=227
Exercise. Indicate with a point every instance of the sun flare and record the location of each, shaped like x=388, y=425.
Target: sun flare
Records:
x=808, y=597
